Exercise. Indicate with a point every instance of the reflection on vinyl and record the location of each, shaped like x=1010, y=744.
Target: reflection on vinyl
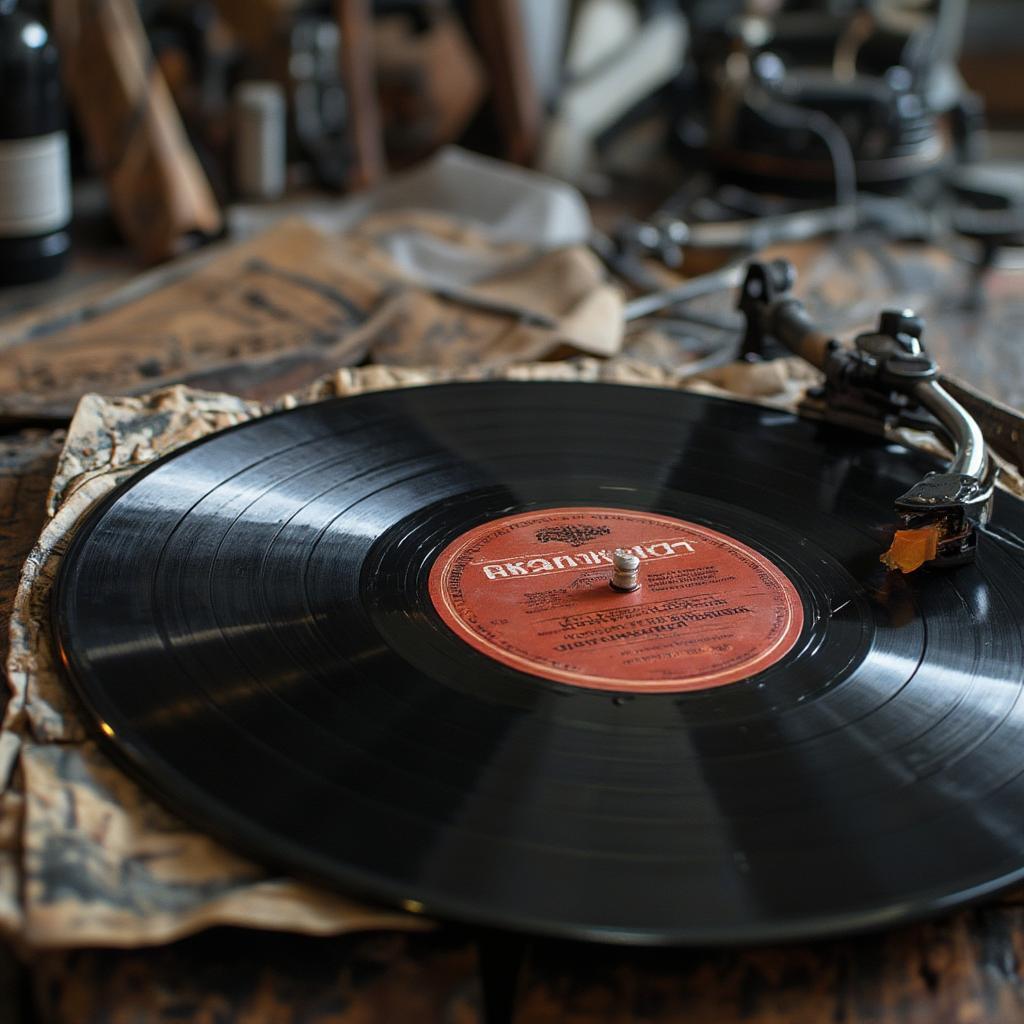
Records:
x=373, y=641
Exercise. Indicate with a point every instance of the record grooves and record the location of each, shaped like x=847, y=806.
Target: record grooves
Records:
x=774, y=738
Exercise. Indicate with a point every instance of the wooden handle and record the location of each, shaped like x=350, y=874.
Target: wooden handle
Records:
x=517, y=107
x=355, y=22
x=158, y=191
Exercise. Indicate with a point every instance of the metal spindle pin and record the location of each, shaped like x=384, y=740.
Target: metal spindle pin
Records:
x=626, y=576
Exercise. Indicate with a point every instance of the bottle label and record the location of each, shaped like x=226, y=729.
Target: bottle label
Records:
x=35, y=189
x=532, y=591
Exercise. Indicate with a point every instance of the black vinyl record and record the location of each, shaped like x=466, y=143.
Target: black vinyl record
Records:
x=293, y=633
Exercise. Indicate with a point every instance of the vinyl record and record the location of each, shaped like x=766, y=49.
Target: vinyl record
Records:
x=372, y=642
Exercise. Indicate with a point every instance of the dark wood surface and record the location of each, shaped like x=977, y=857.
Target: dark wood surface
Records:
x=27, y=462
x=243, y=977
x=961, y=969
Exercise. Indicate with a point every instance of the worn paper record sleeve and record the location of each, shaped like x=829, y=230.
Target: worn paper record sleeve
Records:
x=372, y=641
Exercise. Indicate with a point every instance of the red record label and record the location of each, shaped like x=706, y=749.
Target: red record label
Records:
x=533, y=591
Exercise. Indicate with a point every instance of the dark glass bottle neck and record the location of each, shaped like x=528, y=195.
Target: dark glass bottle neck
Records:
x=30, y=92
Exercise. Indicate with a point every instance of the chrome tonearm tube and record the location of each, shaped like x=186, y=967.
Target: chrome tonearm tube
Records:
x=882, y=382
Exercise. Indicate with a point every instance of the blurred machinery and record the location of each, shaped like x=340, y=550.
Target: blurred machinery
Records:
x=760, y=120
x=800, y=119
x=834, y=96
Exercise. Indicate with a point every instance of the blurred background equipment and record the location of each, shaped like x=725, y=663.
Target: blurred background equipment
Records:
x=813, y=97
x=260, y=140
x=319, y=102
x=607, y=81
x=430, y=77
x=828, y=114
x=355, y=21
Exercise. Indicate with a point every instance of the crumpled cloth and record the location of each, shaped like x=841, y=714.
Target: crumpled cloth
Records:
x=86, y=856
x=293, y=303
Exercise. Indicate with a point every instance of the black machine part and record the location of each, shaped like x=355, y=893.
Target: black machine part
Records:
x=884, y=381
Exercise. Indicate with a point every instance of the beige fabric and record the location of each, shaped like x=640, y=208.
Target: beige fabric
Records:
x=295, y=300
x=86, y=857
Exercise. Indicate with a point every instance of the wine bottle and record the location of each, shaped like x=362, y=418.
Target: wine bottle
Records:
x=35, y=187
